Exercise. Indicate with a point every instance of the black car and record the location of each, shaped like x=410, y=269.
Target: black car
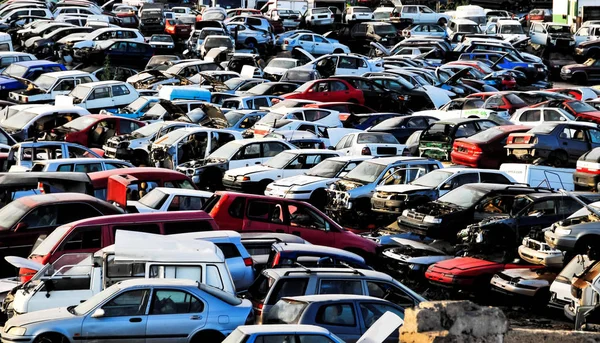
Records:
x=454, y=211
x=43, y=46
x=151, y=22
x=404, y=126
x=587, y=49
x=529, y=214
x=376, y=96
x=119, y=53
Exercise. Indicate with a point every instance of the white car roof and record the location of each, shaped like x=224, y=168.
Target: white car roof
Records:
x=282, y=328
x=82, y=160
x=461, y=21
x=102, y=83
x=59, y=74
x=351, y=158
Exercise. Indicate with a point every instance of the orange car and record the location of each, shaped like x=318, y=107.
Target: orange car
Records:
x=180, y=28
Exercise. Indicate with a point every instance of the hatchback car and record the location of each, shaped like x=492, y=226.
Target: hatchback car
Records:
x=328, y=90
x=95, y=130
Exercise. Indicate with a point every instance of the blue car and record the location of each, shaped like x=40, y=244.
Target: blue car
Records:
x=505, y=61
x=10, y=79
x=241, y=120
x=138, y=108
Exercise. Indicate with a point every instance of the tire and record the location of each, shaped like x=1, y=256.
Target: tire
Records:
x=338, y=51
x=208, y=337
x=318, y=199
x=251, y=41
x=442, y=22
x=50, y=338
x=262, y=186
x=585, y=244
x=558, y=159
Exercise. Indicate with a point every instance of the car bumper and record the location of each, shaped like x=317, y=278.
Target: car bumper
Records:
x=241, y=186
x=566, y=76
x=502, y=286
x=419, y=228
x=557, y=303
x=388, y=206
x=564, y=243
x=287, y=194
x=585, y=179
x=322, y=21
x=449, y=281
x=6, y=338
x=537, y=257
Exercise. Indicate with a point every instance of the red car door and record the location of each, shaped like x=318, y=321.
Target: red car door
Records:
x=340, y=92
x=308, y=224
x=319, y=92
x=265, y=215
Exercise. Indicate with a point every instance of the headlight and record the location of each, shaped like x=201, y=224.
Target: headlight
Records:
x=432, y=220
x=170, y=47
x=562, y=232
x=530, y=66
x=566, y=70
x=405, y=213
x=17, y=331
x=268, y=189
x=553, y=41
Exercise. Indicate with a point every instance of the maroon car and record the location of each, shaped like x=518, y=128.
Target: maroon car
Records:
x=486, y=148
x=25, y=220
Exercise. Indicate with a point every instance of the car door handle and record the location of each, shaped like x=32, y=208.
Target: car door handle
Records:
x=296, y=233
x=135, y=320
x=256, y=162
x=195, y=317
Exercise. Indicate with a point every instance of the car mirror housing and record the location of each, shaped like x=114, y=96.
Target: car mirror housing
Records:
x=99, y=313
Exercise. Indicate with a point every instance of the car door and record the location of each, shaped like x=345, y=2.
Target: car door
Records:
x=64, y=87
x=347, y=65
x=582, y=35
x=319, y=91
x=306, y=223
x=574, y=140
x=265, y=215
x=371, y=311
x=99, y=98
x=531, y=117
x=340, y=318
x=174, y=314
x=426, y=15
x=300, y=164
x=321, y=46
x=306, y=42
x=337, y=92
x=117, y=53
x=124, y=318
x=538, y=34
x=458, y=180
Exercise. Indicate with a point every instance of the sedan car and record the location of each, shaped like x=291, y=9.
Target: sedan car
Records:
x=404, y=126
x=163, y=199
x=583, y=73
x=314, y=43
x=328, y=90
x=139, y=308
x=429, y=30
x=558, y=144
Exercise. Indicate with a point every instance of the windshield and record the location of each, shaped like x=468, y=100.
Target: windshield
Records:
x=226, y=151
x=11, y=213
x=298, y=75
x=580, y=107
x=320, y=10
x=19, y=120
x=44, y=81
x=80, y=123
x=327, y=169
x=95, y=300
x=277, y=63
x=154, y=199
x=234, y=82
x=381, y=15
x=511, y=29
x=281, y=160
x=155, y=112
x=385, y=29
x=15, y=70
x=559, y=29
x=468, y=28
x=463, y=196
x=385, y=138
x=437, y=133
x=79, y=92
x=365, y=172
x=220, y=41
x=147, y=130
x=233, y=117
x=543, y=128
x=432, y=179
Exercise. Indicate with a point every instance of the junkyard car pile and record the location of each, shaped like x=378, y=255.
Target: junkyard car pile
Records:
x=328, y=165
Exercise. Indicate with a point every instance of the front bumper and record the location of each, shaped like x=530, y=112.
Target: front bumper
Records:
x=121, y=153
x=388, y=206
x=287, y=193
x=566, y=76
x=510, y=288
x=241, y=186
x=565, y=243
x=537, y=257
x=6, y=338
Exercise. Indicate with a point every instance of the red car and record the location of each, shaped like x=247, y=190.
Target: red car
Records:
x=486, y=148
x=506, y=101
x=95, y=129
x=178, y=29
x=255, y=213
x=579, y=109
x=330, y=90
x=345, y=108
x=468, y=273
x=579, y=93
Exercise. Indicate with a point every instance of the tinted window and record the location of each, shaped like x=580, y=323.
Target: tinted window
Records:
x=174, y=302
x=83, y=238
x=341, y=287
x=337, y=314
x=175, y=227
x=229, y=250
x=236, y=209
x=265, y=211
x=127, y=304
x=291, y=287
x=371, y=312
x=530, y=116
x=493, y=178
x=149, y=228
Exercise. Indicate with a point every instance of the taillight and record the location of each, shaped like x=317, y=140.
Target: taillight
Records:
x=476, y=150
x=275, y=260
x=248, y=261
x=41, y=188
x=590, y=168
x=286, y=42
x=365, y=151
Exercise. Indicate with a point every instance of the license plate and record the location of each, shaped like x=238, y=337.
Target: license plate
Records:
x=520, y=151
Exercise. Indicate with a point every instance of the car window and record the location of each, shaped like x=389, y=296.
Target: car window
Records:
x=88, y=167
x=339, y=314
x=417, y=123
x=594, y=135
x=384, y=290
x=306, y=38
x=340, y=287
x=484, y=124
x=302, y=216
x=347, y=62
x=349, y=141
x=265, y=211
x=272, y=149
x=65, y=85
x=493, y=178
x=126, y=126
x=341, y=143
x=100, y=93
x=530, y=116
x=290, y=287
x=552, y=115
x=260, y=102
x=120, y=90
x=303, y=161
x=41, y=217
x=131, y=303
x=275, y=339
x=463, y=179
x=546, y=207
x=84, y=238
x=465, y=130
x=337, y=86
x=371, y=312
x=174, y=302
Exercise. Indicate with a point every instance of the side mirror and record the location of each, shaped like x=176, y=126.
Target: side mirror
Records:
x=446, y=187
x=330, y=148
x=99, y=313
x=21, y=226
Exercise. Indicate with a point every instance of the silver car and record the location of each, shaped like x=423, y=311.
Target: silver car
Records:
x=249, y=35
x=169, y=310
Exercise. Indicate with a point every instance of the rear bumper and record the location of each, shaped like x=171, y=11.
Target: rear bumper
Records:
x=585, y=179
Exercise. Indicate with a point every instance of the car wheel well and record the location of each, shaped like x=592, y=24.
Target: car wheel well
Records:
x=262, y=185
x=587, y=243
x=338, y=51
x=208, y=336
x=141, y=157
x=580, y=77
x=442, y=21
x=558, y=158
x=318, y=198
x=51, y=337
x=211, y=179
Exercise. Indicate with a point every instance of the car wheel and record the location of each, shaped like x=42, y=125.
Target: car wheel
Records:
x=442, y=22
x=338, y=51
x=50, y=338
x=558, y=159
x=580, y=78
x=262, y=186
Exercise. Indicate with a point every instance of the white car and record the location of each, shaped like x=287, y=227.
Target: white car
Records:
x=311, y=185
x=509, y=29
x=49, y=85
x=109, y=33
x=314, y=44
x=254, y=179
x=103, y=95
x=370, y=144
x=382, y=13
x=345, y=64
x=83, y=165
x=419, y=15
x=356, y=13
x=318, y=16
x=536, y=116
x=278, y=66
x=320, y=116
x=289, y=18
x=468, y=108
x=587, y=33
x=164, y=199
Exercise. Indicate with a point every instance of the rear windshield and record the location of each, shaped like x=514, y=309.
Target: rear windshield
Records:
x=259, y=289
x=289, y=287
x=285, y=312
x=385, y=138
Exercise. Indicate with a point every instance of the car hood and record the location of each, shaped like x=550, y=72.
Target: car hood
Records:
x=275, y=70
x=417, y=245
x=248, y=170
x=525, y=273
x=467, y=263
x=40, y=316
x=573, y=66
x=401, y=188
x=6, y=79
x=299, y=180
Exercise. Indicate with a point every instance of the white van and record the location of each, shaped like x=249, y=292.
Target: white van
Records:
x=5, y=42
x=74, y=278
x=540, y=176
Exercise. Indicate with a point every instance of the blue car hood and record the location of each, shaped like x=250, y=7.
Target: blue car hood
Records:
x=6, y=81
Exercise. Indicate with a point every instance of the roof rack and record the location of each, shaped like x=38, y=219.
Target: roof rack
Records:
x=333, y=270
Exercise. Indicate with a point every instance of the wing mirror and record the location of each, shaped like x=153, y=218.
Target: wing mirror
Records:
x=99, y=313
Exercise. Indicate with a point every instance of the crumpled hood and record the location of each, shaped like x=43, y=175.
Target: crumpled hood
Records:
x=248, y=170
x=40, y=316
x=298, y=180
x=401, y=188
x=346, y=185
x=121, y=138
x=8, y=80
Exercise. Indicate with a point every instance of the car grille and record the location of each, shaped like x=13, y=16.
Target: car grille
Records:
x=112, y=144
x=415, y=215
x=386, y=151
x=534, y=245
x=563, y=43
